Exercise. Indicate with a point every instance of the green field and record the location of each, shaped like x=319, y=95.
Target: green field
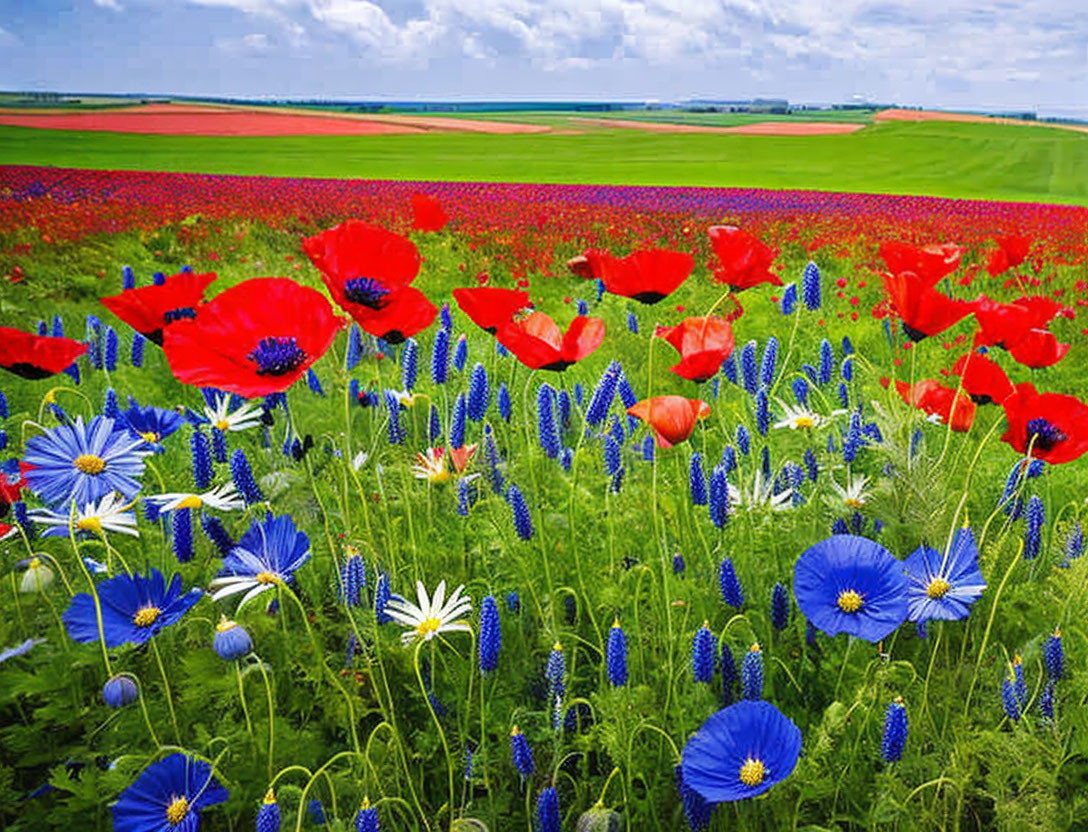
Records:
x=978, y=161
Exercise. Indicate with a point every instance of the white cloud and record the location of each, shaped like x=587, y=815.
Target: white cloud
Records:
x=255, y=43
x=113, y=5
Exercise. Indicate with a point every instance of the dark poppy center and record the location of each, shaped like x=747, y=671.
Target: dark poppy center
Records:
x=1046, y=433
x=367, y=292
x=178, y=314
x=648, y=297
x=915, y=335
x=277, y=356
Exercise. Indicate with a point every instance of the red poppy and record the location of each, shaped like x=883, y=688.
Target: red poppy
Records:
x=647, y=275
x=671, y=418
x=703, y=343
x=744, y=261
x=937, y=400
x=150, y=308
x=490, y=308
x=1038, y=348
x=428, y=213
x=538, y=343
x=369, y=271
x=1052, y=425
x=923, y=310
x=1011, y=252
x=983, y=379
x=581, y=266
x=1003, y=324
x=36, y=356
x=931, y=263
x=256, y=338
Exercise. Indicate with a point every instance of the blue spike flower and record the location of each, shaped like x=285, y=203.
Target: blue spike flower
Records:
x=632, y=322
x=603, y=393
x=718, y=498
x=217, y=534
x=827, y=362
x=697, y=810
x=895, y=731
x=242, y=475
x=366, y=819
x=409, y=364
x=382, y=596
x=849, y=584
x=457, y=421
x=201, y=452
x=944, y=588
x=697, y=479
x=1054, y=655
x=506, y=406
x=440, y=357
x=111, y=349
x=800, y=391
x=491, y=454
x=479, y=393
x=354, y=352
x=741, y=752
x=547, y=430
x=1009, y=699
x=460, y=353
x=555, y=671
x=616, y=655
x=547, y=811
x=769, y=361
x=748, y=369
x=730, y=676
x=751, y=673
x=446, y=318
x=1019, y=686
x=789, y=299
x=780, y=607
x=565, y=408
x=268, y=816
x=1074, y=543
x=168, y=795
x=1046, y=701
x=133, y=609
x=434, y=426
x=729, y=584
x=490, y=640
x=744, y=440
x=729, y=368
x=181, y=527
x=702, y=654
x=523, y=522
x=678, y=565
x=521, y=753
x=82, y=463
x=763, y=412
x=353, y=580
x=810, y=286
x=1033, y=533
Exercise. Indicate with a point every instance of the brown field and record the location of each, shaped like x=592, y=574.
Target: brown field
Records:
x=759, y=128
x=895, y=114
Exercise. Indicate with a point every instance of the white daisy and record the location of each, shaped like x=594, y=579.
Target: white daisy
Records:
x=405, y=398
x=799, y=416
x=760, y=495
x=853, y=495
x=432, y=616
x=248, y=415
x=112, y=513
x=221, y=498
x=431, y=465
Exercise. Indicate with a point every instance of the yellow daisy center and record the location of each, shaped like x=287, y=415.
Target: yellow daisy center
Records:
x=804, y=422
x=854, y=502
x=428, y=626
x=146, y=616
x=752, y=772
x=89, y=464
x=937, y=588
x=192, y=501
x=223, y=425
x=177, y=810
x=849, y=600
x=89, y=524
x=149, y=436
x=266, y=578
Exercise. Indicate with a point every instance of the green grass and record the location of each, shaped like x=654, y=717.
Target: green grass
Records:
x=1020, y=163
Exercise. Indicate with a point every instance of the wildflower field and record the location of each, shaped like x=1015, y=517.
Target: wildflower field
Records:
x=459, y=506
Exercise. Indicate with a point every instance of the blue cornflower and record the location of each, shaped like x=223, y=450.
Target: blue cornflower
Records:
x=547, y=811
x=697, y=479
x=1054, y=655
x=718, y=498
x=603, y=393
x=547, y=430
x=810, y=286
x=268, y=816
x=231, y=640
x=457, y=422
x=133, y=609
x=268, y=554
x=168, y=795
x=789, y=299
x=1033, y=534
x=521, y=753
x=242, y=475
x=523, y=522
x=849, y=584
x=201, y=450
x=944, y=588
x=729, y=673
x=440, y=357
x=780, y=607
x=83, y=463
x=702, y=654
x=120, y=690
x=460, y=353
x=490, y=640
x=741, y=752
x=730, y=585
x=895, y=731
x=479, y=393
x=748, y=369
x=616, y=655
x=506, y=406
x=751, y=673
x=409, y=364
x=366, y=820
x=769, y=361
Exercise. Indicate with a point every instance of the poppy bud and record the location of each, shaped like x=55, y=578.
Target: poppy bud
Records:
x=119, y=691
x=231, y=640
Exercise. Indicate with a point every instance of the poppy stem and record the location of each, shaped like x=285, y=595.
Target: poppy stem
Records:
x=166, y=689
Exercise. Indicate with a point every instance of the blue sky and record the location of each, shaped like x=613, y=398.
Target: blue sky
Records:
x=1008, y=54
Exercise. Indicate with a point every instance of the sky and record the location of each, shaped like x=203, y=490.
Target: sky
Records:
x=1000, y=55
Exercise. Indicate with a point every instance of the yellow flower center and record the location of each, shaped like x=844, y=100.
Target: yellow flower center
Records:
x=937, y=588
x=146, y=616
x=35, y=563
x=428, y=626
x=192, y=501
x=752, y=772
x=177, y=810
x=149, y=436
x=89, y=464
x=266, y=578
x=854, y=502
x=804, y=422
x=270, y=797
x=223, y=425
x=89, y=524
x=849, y=600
